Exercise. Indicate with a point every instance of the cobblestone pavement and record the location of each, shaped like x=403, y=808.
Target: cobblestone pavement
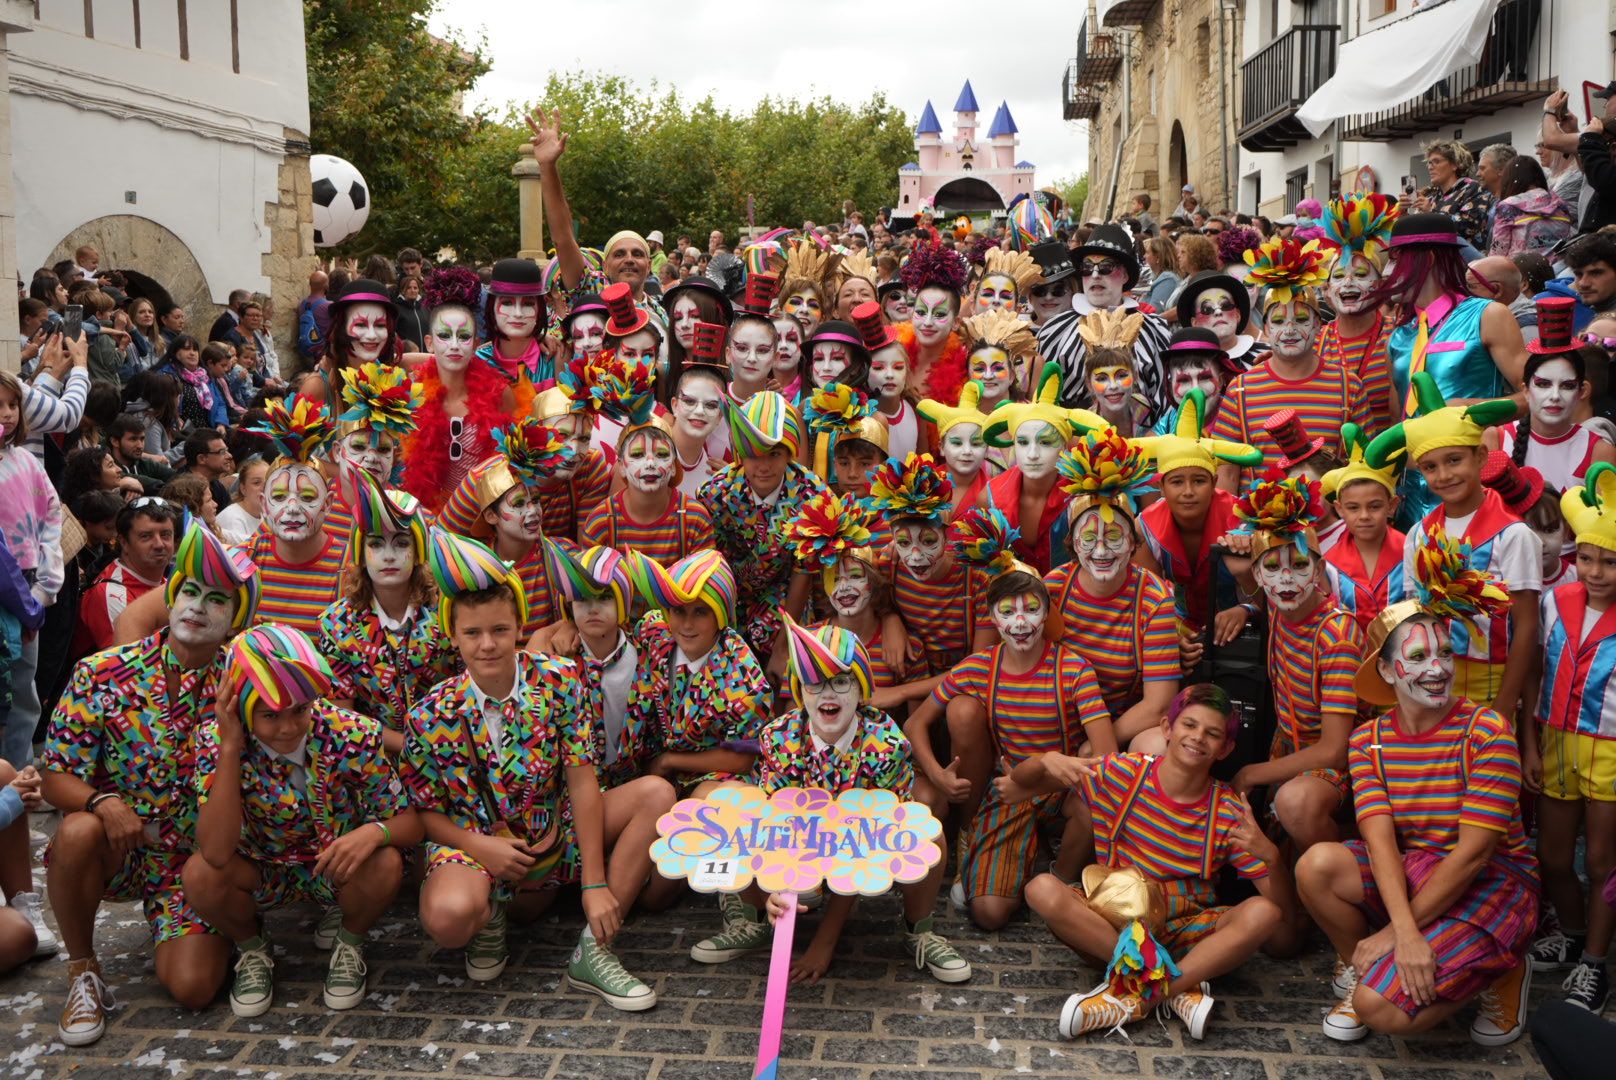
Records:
x=874, y=1018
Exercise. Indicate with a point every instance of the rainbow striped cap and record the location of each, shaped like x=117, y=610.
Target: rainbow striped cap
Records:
x=380, y=511
x=203, y=557
x=703, y=578
x=280, y=669
x=819, y=655
x=765, y=420
x=592, y=574
x=461, y=565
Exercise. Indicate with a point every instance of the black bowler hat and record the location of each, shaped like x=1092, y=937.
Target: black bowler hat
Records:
x=1213, y=279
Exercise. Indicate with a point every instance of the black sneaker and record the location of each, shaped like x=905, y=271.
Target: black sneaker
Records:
x=1553, y=952
x=1587, y=987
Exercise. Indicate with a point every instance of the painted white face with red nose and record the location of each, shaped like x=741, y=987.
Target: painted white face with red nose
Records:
x=920, y=547
x=1286, y=577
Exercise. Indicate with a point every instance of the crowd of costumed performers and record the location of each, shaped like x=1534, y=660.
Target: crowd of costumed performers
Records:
x=1200, y=630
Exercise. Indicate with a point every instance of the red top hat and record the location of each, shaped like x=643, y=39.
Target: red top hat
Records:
x=708, y=347
x=1554, y=314
x=626, y=318
x=1519, y=486
x=872, y=327
x=761, y=289
x=1285, y=428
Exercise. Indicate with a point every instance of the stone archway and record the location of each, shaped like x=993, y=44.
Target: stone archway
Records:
x=139, y=243
x=1178, y=167
x=968, y=193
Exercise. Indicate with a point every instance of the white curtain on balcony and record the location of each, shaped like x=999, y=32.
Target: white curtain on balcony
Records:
x=1398, y=62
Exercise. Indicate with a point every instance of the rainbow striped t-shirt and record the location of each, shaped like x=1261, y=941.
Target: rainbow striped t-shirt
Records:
x=296, y=594
x=1025, y=710
x=1129, y=638
x=1312, y=662
x=1325, y=400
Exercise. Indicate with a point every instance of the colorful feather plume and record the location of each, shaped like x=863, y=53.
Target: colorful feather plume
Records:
x=825, y=527
x=838, y=409
x=452, y=286
x=1287, y=267
x=534, y=451
x=915, y=487
x=985, y=539
x=932, y=265
x=621, y=389
x=381, y=397
x=1448, y=587
x=1141, y=966
x=1278, y=510
x=1361, y=224
x=1106, y=469
x=297, y=432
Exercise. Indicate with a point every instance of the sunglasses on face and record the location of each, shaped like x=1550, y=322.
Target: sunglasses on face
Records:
x=1221, y=307
x=1043, y=291
x=1103, y=268
x=1595, y=339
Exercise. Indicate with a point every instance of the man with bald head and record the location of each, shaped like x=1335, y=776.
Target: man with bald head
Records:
x=314, y=319
x=1496, y=277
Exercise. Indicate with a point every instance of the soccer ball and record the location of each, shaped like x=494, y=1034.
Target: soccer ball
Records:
x=341, y=199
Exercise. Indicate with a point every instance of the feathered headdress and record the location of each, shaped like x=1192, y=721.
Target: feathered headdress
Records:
x=380, y=399
x=986, y=539
x=1104, y=470
x=298, y=432
x=836, y=412
x=1185, y=447
x=1010, y=415
x=1018, y=266
x=1361, y=225
x=621, y=389
x=1356, y=440
x=819, y=655
x=915, y=488
x=931, y=265
x=1002, y=329
x=452, y=286
x=1278, y=511
x=1433, y=424
x=825, y=528
x=1287, y=269
x=534, y=452
x=808, y=266
x=279, y=668
x=1113, y=329
x=856, y=264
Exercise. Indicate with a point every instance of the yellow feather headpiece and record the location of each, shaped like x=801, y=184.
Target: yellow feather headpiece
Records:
x=806, y=266
x=1000, y=328
x=1018, y=266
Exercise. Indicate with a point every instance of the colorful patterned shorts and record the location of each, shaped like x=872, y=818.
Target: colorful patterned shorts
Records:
x=1192, y=914
x=281, y=883
x=152, y=876
x=997, y=857
x=568, y=871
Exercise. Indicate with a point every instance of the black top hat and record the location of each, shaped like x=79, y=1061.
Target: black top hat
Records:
x=728, y=272
x=1054, y=258
x=517, y=277
x=1606, y=92
x=698, y=284
x=1212, y=279
x=886, y=287
x=364, y=291
x=1113, y=241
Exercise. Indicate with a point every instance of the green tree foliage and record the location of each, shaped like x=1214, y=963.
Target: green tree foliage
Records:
x=1075, y=191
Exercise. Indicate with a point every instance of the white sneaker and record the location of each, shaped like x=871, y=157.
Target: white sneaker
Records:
x=32, y=906
x=1344, y=981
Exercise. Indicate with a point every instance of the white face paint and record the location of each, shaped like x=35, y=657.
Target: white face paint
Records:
x=1103, y=290
x=648, y=462
x=990, y=366
x=1286, y=576
x=1050, y=300
x=1419, y=663
x=996, y=291
x=832, y=706
x=787, y=348
x=920, y=547
x=454, y=338
x=390, y=559
x=933, y=316
x=1351, y=282
x=1020, y=621
x=588, y=334
x=1038, y=447
x=698, y=406
x=367, y=331
x=577, y=431
x=519, y=516
x=375, y=458
x=1552, y=392
x=1291, y=328
x=964, y=450
x=683, y=318
x=1111, y=387
x=1103, y=548
x=830, y=360
x=750, y=351
x=1203, y=375
x=516, y=316
x=889, y=372
x=295, y=501
x=200, y=615
x=1215, y=310
x=851, y=588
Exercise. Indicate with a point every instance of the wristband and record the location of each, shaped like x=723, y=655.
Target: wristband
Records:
x=96, y=800
x=387, y=835
x=596, y=885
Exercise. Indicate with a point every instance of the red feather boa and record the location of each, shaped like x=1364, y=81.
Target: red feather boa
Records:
x=946, y=378
x=426, y=450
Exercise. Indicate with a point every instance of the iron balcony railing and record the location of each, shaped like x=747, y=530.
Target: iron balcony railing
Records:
x=1078, y=102
x=1099, y=57
x=1275, y=82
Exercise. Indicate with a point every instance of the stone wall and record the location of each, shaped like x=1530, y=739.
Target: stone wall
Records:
x=291, y=258
x=128, y=241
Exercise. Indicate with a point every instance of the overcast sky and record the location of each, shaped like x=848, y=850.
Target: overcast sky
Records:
x=740, y=53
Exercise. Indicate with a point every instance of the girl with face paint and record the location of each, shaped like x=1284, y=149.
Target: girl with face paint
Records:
x=970, y=462
x=514, y=320
x=1221, y=304
x=888, y=380
x=1000, y=349
x=463, y=400
x=692, y=302
x=937, y=279
x=1006, y=277
x=808, y=285
x=382, y=637
x=362, y=332
x=1360, y=226
x=1424, y=777
x=583, y=330
x=1194, y=361
x=1549, y=438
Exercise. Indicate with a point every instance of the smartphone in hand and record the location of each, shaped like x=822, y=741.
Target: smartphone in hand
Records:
x=73, y=322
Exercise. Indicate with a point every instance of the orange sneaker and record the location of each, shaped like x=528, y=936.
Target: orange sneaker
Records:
x=1501, y=1008
x=1193, y=1007
x=84, y=1017
x=1098, y=1010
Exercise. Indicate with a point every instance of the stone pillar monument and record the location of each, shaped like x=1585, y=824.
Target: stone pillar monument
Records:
x=530, y=205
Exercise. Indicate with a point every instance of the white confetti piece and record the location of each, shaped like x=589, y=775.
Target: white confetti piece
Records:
x=429, y=1049
x=959, y=1000
x=286, y=1044
x=328, y=1057
x=1007, y=1009
x=342, y=1042
x=183, y=1033
x=471, y=1056
x=993, y=1046
x=255, y=1027
x=1020, y=999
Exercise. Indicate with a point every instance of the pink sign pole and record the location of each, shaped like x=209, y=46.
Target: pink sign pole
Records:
x=774, y=996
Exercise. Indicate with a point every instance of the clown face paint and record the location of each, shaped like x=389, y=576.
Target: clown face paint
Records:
x=519, y=517
x=577, y=431
x=389, y=559
x=516, y=316
x=683, y=319
x=996, y=291
x=1215, y=310
x=1551, y=394
x=367, y=331
x=889, y=372
x=1203, y=375
x=1103, y=281
x=896, y=306
x=639, y=347
x=1103, y=547
x=787, y=348
x=1351, y=282
x=1020, y=622
x=1291, y=328
x=588, y=334
x=804, y=306
x=1286, y=577
x=964, y=451
x=933, y=316
x=990, y=366
x=829, y=361
x=1111, y=388
x=850, y=588
x=750, y=351
x=698, y=405
x=832, y=706
x=648, y=462
x=1038, y=447
x=1418, y=662
x=454, y=338
x=373, y=454
x=920, y=547
x=295, y=500
x=200, y=616
x=1047, y=301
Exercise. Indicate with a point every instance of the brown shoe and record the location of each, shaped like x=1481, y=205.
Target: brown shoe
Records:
x=84, y=1017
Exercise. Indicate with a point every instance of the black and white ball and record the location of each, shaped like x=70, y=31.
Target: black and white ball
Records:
x=341, y=199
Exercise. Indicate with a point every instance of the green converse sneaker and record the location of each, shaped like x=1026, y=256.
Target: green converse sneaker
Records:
x=345, y=977
x=596, y=970
x=745, y=930
x=934, y=953
x=485, y=953
x=325, y=932
x=253, y=990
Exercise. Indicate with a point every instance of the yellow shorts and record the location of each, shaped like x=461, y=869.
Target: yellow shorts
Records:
x=1478, y=680
x=1577, y=766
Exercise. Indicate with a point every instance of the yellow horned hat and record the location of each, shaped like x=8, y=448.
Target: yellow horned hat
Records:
x=1356, y=439
x=1590, y=510
x=1185, y=448
x=1010, y=415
